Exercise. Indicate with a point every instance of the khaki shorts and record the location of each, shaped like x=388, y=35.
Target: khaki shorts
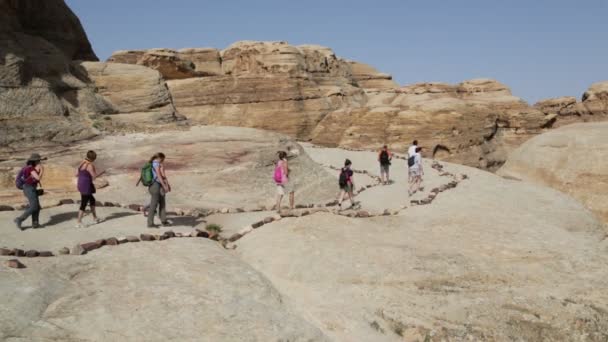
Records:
x=283, y=189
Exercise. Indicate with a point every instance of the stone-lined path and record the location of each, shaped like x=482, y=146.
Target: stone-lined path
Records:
x=374, y=199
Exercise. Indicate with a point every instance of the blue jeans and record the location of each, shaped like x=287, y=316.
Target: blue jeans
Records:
x=34, y=209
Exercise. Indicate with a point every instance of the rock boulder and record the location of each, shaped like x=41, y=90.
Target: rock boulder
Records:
x=572, y=159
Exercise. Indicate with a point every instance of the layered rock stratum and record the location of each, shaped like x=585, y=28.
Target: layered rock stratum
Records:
x=43, y=97
x=571, y=159
x=311, y=94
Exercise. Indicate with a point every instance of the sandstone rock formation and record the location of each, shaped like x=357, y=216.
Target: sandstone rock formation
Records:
x=127, y=295
x=474, y=122
x=484, y=262
x=566, y=110
x=139, y=92
x=42, y=97
x=573, y=159
x=218, y=167
x=309, y=93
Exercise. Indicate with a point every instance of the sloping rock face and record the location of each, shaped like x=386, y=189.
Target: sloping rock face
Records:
x=125, y=293
x=573, y=159
x=491, y=260
x=309, y=93
x=136, y=92
x=42, y=97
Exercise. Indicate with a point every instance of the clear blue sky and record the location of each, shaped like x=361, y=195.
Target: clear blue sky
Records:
x=540, y=48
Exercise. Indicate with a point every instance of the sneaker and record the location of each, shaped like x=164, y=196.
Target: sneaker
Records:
x=80, y=225
x=166, y=223
x=36, y=225
x=152, y=226
x=18, y=223
x=98, y=220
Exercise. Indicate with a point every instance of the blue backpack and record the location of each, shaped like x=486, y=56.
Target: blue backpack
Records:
x=20, y=179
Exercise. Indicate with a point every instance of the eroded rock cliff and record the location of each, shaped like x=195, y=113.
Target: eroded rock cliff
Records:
x=42, y=96
x=308, y=92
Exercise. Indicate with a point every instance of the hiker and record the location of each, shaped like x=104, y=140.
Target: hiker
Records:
x=384, y=157
x=158, y=189
x=281, y=178
x=28, y=179
x=345, y=181
x=86, y=173
x=411, y=151
x=416, y=172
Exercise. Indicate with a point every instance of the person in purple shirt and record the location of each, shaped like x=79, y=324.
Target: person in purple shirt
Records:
x=86, y=174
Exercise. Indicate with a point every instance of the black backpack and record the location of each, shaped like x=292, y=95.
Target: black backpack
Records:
x=343, y=180
x=411, y=161
x=384, y=158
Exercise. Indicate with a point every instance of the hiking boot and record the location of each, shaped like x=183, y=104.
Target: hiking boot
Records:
x=18, y=223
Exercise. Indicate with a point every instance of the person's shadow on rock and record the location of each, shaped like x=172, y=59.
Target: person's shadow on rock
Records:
x=65, y=217
x=188, y=221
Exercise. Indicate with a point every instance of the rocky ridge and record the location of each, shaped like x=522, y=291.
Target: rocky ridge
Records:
x=310, y=93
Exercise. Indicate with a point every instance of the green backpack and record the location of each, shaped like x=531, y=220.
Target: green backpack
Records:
x=147, y=176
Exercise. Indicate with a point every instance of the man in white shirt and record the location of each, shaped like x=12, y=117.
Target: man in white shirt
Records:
x=416, y=172
x=412, y=149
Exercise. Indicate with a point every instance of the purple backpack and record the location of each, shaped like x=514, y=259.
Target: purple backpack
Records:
x=278, y=174
x=20, y=179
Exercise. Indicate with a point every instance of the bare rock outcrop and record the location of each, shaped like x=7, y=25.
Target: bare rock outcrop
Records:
x=573, y=159
x=42, y=96
x=475, y=122
x=309, y=93
x=197, y=292
x=132, y=90
x=491, y=260
x=566, y=110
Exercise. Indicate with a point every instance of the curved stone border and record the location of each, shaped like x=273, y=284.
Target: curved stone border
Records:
x=303, y=210
x=312, y=209
x=86, y=247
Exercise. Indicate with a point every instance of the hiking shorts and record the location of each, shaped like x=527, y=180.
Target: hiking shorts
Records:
x=285, y=188
x=384, y=168
x=347, y=188
x=415, y=172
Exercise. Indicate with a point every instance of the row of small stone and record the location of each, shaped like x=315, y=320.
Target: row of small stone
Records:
x=84, y=248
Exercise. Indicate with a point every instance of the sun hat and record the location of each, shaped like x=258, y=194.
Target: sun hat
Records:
x=35, y=157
